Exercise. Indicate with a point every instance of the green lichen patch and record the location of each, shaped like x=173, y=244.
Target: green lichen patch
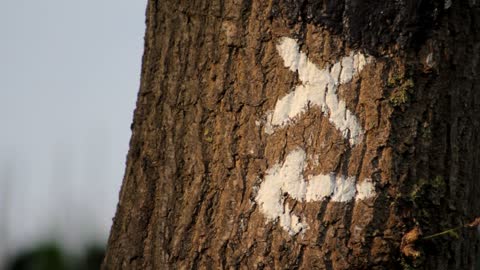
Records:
x=207, y=136
x=398, y=97
x=401, y=86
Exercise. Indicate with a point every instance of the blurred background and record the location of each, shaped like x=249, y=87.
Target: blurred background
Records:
x=69, y=75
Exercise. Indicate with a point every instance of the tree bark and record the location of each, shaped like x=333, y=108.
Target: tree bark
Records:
x=294, y=134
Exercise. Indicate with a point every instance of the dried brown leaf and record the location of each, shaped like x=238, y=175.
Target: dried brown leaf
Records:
x=410, y=251
x=407, y=246
x=474, y=223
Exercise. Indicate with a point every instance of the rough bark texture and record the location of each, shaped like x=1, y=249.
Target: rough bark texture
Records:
x=199, y=153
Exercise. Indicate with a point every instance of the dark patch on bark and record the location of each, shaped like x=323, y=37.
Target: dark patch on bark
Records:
x=373, y=25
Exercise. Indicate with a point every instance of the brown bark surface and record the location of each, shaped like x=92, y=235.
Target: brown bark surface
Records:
x=198, y=153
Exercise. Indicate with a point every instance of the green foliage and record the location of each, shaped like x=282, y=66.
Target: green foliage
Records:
x=453, y=234
x=49, y=256
x=45, y=256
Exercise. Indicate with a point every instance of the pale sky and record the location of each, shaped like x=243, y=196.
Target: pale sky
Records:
x=69, y=75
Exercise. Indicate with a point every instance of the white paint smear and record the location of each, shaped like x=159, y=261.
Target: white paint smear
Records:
x=268, y=125
x=365, y=189
x=320, y=187
x=279, y=179
x=287, y=179
x=291, y=223
x=319, y=88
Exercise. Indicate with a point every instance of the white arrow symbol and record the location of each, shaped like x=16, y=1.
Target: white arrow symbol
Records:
x=319, y=88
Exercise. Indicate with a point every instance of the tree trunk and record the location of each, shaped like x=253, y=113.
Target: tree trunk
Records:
x=294, y=134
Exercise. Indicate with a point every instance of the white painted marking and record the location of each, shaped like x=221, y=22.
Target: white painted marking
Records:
x=291, y=223
x=320, y=187
x=279, y=179
x=268, y=125
x=318, y=88
x=344, y=189
x=287, y=179
x=365, y=189
x=314, y=159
